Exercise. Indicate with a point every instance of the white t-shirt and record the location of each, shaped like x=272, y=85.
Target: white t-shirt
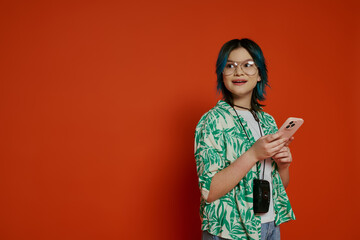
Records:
x=254, y=127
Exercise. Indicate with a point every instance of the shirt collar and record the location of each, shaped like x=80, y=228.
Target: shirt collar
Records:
x=226, y=107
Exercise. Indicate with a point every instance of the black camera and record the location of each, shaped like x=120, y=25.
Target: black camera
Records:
x=261, y=196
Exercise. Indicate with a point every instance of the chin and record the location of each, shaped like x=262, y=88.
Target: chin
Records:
x=241, y=94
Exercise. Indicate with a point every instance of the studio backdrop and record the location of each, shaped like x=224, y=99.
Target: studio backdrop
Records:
x=99, y=101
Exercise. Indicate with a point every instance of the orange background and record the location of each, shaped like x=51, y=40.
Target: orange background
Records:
x=99, y=101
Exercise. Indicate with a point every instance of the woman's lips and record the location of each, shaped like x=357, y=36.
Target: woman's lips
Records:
x=239, y=82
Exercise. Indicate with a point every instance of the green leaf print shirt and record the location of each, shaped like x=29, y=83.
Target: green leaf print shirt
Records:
x=219, y=141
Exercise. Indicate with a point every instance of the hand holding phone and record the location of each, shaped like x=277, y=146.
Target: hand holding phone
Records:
x=290, y=126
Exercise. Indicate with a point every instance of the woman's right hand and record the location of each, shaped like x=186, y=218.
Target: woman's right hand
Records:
x=267, y=146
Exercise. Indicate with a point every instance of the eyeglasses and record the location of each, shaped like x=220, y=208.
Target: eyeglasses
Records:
x=248, y=67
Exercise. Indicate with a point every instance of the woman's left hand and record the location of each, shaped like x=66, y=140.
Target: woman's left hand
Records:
x=283, y=158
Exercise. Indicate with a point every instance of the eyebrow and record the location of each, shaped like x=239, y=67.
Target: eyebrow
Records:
x=240, y=61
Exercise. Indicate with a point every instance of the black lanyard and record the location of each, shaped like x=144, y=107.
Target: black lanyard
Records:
x=258, y=122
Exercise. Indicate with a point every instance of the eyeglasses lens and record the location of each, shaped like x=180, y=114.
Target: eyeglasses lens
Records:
x=248, y=67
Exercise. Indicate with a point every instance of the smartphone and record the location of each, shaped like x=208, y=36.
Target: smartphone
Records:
x=290, y=126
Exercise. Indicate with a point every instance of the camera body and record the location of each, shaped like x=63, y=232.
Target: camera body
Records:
x=261, y=196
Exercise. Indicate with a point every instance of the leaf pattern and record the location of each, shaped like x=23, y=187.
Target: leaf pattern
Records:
x=220, y=140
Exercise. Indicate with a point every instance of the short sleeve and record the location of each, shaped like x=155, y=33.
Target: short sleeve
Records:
x=208, y=151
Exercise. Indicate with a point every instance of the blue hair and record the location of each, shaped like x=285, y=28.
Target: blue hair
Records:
x=256, y=53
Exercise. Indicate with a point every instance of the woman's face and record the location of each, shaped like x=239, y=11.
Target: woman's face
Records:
x=238, y=83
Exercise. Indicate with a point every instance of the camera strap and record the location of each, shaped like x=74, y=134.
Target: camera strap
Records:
x=261, y=187
x=258, y=122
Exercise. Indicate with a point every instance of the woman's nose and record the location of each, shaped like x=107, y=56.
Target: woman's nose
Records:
x=238, y=71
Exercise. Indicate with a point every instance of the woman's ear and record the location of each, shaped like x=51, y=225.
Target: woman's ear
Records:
x=259, y=79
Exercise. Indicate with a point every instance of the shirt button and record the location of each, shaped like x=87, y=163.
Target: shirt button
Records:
x=276, y=212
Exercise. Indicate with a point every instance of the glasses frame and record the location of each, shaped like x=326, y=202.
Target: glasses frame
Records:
x=241, y=64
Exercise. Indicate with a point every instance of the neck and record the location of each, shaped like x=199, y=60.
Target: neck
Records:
x=243, y=102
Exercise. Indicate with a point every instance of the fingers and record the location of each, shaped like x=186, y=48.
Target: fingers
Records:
x=273, y=137
x=276, y=136
x=278, y=148
x=272, y=144
x=284, y=149
x=274, y=147
x=283, y=160
x=281, y=155
x=289, y=141
x=279, y=144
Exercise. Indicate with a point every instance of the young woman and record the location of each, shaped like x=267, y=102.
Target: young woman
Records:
x=235, y=144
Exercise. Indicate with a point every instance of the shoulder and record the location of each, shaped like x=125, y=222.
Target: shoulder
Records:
x=266, y=118
x=266, y=115
x=215, y=117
